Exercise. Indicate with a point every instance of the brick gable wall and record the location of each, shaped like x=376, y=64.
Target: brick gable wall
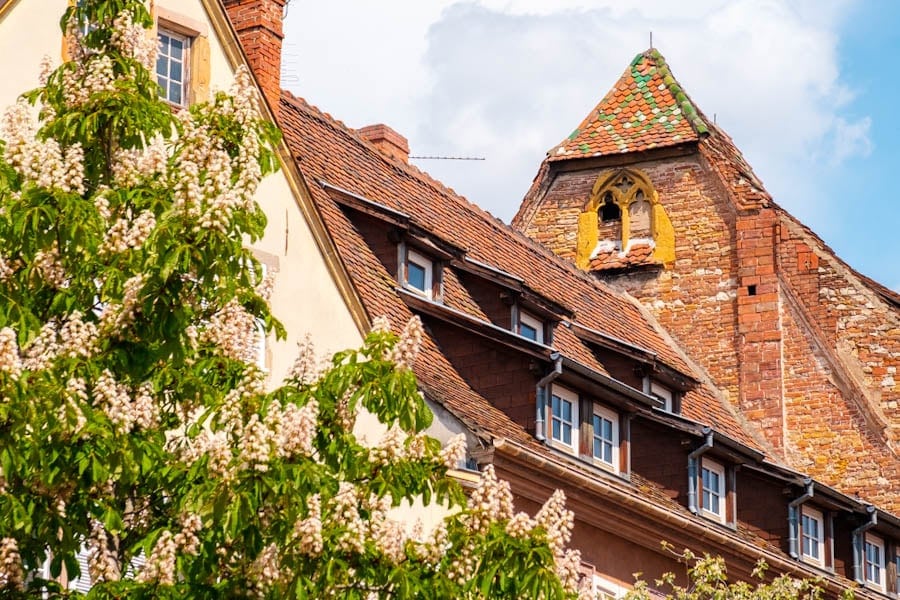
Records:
x=799, y=343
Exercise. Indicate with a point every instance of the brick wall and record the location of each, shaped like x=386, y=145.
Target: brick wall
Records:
x=259, y=25
x=802, y=345
x=696, y=300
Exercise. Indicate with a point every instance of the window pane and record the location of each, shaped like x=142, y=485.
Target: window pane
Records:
x=415, y=275
x=556, y=426
x=177, y=48
x=527, y=331
x=555, y=403
x=567, y=411
x=175, y=93
x=567, y=433
x=175, y=71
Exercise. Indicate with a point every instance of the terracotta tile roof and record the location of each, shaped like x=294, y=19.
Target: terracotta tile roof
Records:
x=327, y=151
x=638, y=255
x=645, y=109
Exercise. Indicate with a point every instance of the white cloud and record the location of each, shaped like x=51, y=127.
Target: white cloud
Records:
x=851, y=139
x=509, y=79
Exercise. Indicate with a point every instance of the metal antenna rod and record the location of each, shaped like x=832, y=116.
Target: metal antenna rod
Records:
x=651, y=40
x=449, y=157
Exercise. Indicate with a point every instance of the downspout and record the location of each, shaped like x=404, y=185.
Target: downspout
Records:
x=541, y=395
x=794, y=518
x=693, y=461
x=859, y=547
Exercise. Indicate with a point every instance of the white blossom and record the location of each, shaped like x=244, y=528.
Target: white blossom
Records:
x=407, y=349
x=10, y=361
x=11, y=573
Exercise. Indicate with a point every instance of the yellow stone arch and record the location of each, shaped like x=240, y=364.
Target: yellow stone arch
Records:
x=624, y=185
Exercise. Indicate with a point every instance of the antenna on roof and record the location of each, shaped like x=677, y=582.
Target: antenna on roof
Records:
x=449, y=157
x=651, y=40
x=714, y=118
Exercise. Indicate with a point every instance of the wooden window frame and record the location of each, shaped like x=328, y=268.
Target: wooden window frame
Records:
x=664, y=394
x=707, y=464
x=533, y=322
x=879, y=543
x=813, y=514
x=565, y=395
x=427, y=265
x=605, y=413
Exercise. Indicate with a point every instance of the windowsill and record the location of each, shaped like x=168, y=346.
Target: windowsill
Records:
x=417, y=291
x=588, y=461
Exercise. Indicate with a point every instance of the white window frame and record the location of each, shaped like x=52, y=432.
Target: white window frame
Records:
x=533, y=322
x=876, y=569
x=606, y=589
x=185, y=64
x=807, y=513
x=612, y=417
x=664, y=395
x=721, y=493
x=564, y=395
x=427, y=264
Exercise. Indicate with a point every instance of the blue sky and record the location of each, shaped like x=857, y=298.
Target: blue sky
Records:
x=805, y=87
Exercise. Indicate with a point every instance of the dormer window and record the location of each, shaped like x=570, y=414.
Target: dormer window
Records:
x=664, y=396
x=812, y=535
x=564, y=418
x=419, y=273
x=530, y=327
x=606, y=437
x=712, y=489
x=874, y=557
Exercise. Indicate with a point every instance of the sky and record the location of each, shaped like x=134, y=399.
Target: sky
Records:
x=806, y=88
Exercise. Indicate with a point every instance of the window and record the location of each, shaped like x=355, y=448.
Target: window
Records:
x=812, y=535
x=606, y=437
x=664, y=395
x=172, y=66
x=419, y=272
x=531, y=328
x=605, y=589
x=609, y=210
x=712, y=485
x=874, y=558
x=564, y=417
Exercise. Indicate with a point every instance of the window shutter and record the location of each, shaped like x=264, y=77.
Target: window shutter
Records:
x=199, y=69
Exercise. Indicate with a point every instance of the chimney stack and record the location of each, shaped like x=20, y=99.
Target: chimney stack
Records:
x=386, y=140
x=259, y=25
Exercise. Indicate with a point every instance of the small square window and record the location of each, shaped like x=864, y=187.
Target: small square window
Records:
x=531, y=328
x=564, y=418
x=812, y=535
x=663, y=395
x=606, y=437
x=419, y=272
x=874, y=557
x=172, y=66
x=712, y=482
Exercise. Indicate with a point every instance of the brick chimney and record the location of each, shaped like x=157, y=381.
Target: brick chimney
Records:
x=259, y=26
x=386, y=140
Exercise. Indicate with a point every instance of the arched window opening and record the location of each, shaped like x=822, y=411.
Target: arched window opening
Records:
x=609, y=210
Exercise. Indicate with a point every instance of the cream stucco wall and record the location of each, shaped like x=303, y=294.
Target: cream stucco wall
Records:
x=306, y=298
